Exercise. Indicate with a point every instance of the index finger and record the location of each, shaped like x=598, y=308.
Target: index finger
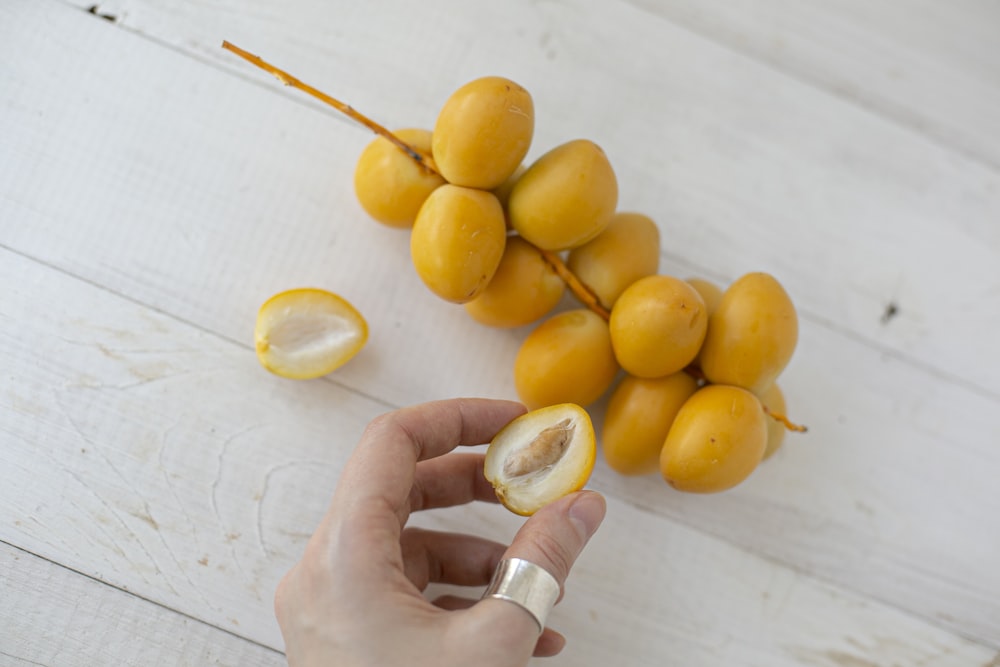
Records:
x=384, y=463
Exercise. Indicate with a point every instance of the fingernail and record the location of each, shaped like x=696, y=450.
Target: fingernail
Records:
x=587, y=512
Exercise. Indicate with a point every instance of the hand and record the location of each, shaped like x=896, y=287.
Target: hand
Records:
x=355, y=597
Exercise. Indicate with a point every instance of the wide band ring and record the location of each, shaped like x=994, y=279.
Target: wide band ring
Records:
x=527, y=585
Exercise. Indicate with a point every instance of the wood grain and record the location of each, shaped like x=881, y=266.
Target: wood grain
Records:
x=742, y=167
x=929, y=67
x=154, y=191
x=55, y=617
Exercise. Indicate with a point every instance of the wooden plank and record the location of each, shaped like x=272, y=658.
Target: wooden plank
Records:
x=191, y=234
x=56, y=617
x=158, y=458
x=648, y=591
x=161, y=459
x=932, y=67
x=929, y=66
x=846, y=208
x=892, y=492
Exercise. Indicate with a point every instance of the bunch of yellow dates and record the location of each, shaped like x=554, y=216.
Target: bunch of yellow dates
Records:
x=696, y=367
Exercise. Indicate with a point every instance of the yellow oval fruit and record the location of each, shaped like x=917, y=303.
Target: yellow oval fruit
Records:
x=565, y=198
x=716, y=440
x=627, y=250
x=503, y=190
x=524, y=288
x=710, y=293
x=540, y=457
x=457, y=241
x=306, y=333
x=389, y=185
x=752, y=334
x=638, y=418
x=566, y=359
x=774, y=400
x=483, y=132
x=657, y=326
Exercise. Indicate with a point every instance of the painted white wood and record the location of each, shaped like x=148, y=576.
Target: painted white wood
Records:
x=652, y=592
x=158, y=457
x=150, y=201
x=56, y=617
x=111, y=469
x=744, y=168
x=892, y=492
x=932, y=67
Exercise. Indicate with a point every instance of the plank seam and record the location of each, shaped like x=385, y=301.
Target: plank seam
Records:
x=218, y=65
x=889, y=113
x=819, y=320
x=137, y=596
x=177, y=318
x=883, y=349
x=914, y=126
x=812, y=576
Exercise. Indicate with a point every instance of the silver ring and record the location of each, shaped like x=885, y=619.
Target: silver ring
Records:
x=527, y=585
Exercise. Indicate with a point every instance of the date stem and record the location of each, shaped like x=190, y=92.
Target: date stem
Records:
x=785, y=421
x=419, y=157
x=580, y=289
x=582, y=292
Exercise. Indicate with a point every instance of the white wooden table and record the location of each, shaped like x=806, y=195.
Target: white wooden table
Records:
x=155, y=482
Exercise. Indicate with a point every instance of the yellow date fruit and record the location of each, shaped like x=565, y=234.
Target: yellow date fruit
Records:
x=638, y=418
x=389, y=185
x=483, y=132
x=306, y=333
x=566, y=359
x=565, y=198
x=627, y=250
x=657, y=326
x=710, y=293
x=457, y=241
x=502, y=191
x=716, y=440
x=540, y=457
x=524, y=288
x=751, y=335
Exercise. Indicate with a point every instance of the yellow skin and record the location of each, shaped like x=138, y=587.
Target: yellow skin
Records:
x=565, y=198
x=638, y=418
x=752, y=334
x=483, y=132
x=716, y=440
x=389, y=185
x=503, y=190
x=457, y=242
x=627, y=250
x=710, y=293
x=657, y=326
x=566, y=359
x=524, y=288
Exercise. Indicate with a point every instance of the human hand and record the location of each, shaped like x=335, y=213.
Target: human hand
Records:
x=355, y=597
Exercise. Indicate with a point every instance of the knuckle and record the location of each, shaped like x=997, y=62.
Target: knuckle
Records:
x=558, y=559
x=379, y=424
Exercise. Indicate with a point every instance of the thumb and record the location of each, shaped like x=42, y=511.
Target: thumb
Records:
x=552, y=539
x=557, y=533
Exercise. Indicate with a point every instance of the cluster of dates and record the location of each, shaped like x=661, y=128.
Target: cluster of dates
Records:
x=696, y=366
